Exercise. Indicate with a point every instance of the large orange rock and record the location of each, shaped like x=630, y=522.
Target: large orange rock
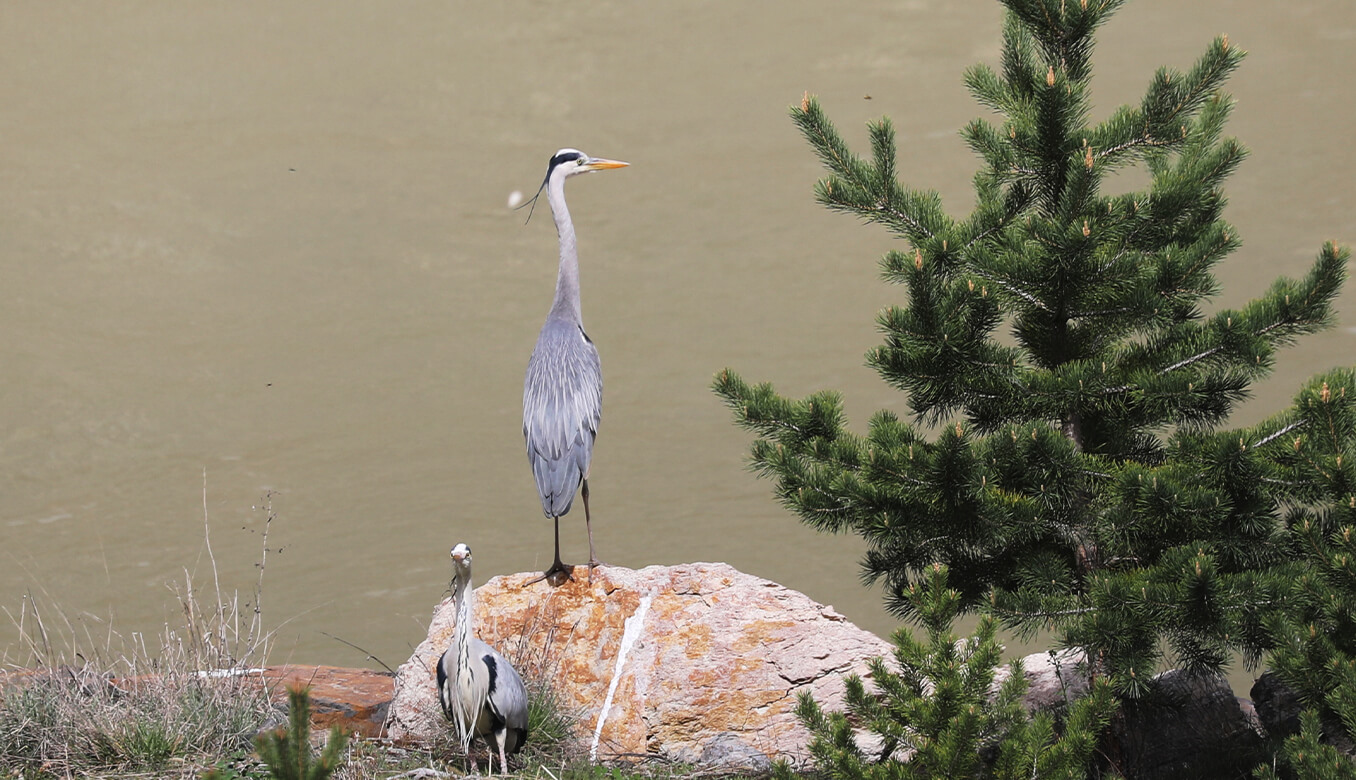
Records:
x=697, y=663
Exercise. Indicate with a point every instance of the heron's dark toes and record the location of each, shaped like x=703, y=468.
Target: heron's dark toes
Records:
x=557, y=575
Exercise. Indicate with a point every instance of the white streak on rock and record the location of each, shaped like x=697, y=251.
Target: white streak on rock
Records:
x=630, y=633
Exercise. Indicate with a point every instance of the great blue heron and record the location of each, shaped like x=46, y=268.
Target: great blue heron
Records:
x=563, y=390
x=479, y=689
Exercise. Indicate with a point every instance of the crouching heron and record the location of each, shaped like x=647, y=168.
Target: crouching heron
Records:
x=479, y=689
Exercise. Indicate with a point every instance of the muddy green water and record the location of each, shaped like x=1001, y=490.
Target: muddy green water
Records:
x=268, y=243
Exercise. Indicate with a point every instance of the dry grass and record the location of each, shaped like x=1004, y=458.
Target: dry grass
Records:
x=80, y=704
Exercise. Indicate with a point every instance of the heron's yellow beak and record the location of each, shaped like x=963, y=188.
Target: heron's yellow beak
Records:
x=602, y=164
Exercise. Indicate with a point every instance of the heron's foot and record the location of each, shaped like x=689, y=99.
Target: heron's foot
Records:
x=593, y=564
x=557, y=575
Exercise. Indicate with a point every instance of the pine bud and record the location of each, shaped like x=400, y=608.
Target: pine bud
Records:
x=1224, y=41
x=971, y=284
x=805, y=101
x=1087, y=158
x=1086, y=231
x=1083, y=4
x=918, y=259
x=1012, y=132
x=1325, y=395
x=1050, y=77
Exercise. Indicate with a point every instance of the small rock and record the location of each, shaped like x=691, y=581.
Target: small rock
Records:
x=1054, y=679
x=1278, y=706
x=1189, y=726
x=729, y=751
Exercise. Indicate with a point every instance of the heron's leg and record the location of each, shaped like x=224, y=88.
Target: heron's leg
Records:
x=501, y=737
x=559, y=573
x=588, y=526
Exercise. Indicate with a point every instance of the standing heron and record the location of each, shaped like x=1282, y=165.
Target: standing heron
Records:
x=479, y=689
x=563, y=390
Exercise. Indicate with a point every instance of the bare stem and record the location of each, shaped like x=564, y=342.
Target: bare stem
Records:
x=216, y=580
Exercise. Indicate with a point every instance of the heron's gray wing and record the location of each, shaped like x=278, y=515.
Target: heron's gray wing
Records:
x=562, y=404
x=507, y=698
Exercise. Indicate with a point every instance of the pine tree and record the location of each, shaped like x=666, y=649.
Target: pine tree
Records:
x=1067, y=459
x=288, y=753
x=939, y=714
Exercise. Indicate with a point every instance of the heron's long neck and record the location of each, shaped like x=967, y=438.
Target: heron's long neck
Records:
x=465, y=606
x=567, y=282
